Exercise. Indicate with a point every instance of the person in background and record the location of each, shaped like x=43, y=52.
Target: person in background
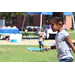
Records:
x=42, y=36
x=48, y=24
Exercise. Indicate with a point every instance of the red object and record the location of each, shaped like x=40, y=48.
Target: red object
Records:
x=7, y=39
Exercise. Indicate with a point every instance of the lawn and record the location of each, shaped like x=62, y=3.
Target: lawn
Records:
x=72, y=35
x=19, y=53
x=31, y=34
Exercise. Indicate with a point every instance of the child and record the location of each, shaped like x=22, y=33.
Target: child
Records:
x=42, y=36
x=63, y=40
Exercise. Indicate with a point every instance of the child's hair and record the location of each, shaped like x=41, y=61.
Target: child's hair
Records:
x=43, y=28
x=57, y=16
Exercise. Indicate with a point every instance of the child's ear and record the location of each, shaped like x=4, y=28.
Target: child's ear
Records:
x=60, y=23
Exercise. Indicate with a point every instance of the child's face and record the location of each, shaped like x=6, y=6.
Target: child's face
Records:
x=54, y=26
x=42, y=29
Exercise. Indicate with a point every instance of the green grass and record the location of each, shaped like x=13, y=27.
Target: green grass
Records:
x=31, y=34
x=69, y=30
x=72, y=35
x=19, y=53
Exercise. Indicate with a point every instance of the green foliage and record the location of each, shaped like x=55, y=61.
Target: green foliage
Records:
x=9, y=15
x=66, y=29
x=74, y=13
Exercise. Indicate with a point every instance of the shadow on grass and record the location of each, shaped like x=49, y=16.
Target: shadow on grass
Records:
x=37, y=38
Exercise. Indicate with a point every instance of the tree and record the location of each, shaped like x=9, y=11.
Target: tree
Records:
x=10, y=15
x=74, y=13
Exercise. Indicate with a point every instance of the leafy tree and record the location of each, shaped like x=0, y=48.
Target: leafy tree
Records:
x=10, y=15
x=74, y=13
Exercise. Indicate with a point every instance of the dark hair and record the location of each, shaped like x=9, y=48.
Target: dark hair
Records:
x=43, y=27
x=58, y=16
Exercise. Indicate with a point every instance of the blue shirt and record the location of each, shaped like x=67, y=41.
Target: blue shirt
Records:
x=48, y=26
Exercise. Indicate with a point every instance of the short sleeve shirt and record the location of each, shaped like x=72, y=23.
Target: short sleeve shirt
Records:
x=41, y=35
x=63, y=48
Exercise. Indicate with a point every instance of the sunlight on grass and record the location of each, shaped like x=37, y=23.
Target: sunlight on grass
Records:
x=12, y=53
x=19, y=53
x=72, y=35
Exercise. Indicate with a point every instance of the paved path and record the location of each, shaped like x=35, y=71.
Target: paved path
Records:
x=25, y=42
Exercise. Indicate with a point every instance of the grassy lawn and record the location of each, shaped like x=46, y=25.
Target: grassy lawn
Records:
x=34, y=34
x=72, y=35
x=69, y=30
x=19, y=53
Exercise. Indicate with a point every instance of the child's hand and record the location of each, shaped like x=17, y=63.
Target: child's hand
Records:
x=49, y=48
x=40, y=34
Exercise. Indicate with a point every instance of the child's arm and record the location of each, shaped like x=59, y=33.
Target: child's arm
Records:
x=39, y=33
x=69, y=41
x=49, y=48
